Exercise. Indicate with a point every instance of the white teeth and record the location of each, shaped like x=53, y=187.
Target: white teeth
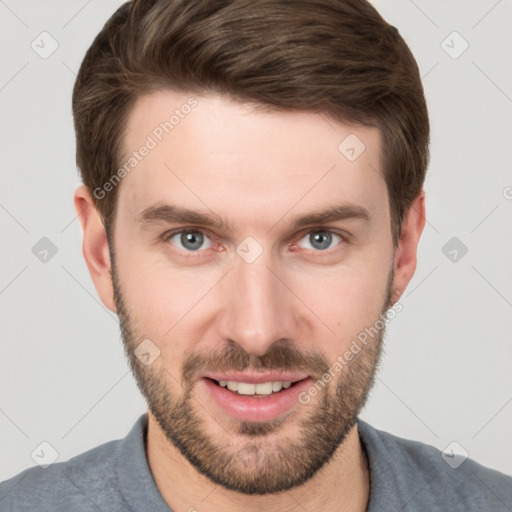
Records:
x=265, y=388
x=246, y=388
x=232, y=386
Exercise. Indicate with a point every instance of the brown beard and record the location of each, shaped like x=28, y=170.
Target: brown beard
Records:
x=257, y=467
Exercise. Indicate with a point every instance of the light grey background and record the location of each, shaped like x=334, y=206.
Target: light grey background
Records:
x=446, y=373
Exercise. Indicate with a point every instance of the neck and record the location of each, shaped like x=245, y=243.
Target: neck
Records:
x=342, y=485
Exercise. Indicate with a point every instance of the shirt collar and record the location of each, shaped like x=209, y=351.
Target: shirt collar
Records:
x=134, y=475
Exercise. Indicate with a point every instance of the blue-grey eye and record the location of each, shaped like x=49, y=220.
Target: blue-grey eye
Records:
x=320, y=240
x=190, y=240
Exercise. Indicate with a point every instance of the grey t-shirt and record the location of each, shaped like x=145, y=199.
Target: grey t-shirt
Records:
x=115, y=477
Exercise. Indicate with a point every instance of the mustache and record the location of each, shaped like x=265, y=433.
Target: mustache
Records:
x=282, y=355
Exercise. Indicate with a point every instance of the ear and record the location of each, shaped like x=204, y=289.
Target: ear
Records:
x=405, y=259
x=95, y=246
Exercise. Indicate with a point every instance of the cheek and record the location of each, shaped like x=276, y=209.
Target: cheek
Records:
x=348, y=299
x=157, y=288
x=163, y=299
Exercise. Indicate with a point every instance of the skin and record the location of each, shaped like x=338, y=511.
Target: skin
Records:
x=296, y=306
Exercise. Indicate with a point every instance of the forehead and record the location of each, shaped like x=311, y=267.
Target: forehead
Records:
x=209, y=152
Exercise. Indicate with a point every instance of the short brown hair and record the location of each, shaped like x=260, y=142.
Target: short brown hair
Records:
x=336, y=57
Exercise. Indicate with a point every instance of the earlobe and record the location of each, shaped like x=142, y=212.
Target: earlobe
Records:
x=95, y=247
x=406, y=253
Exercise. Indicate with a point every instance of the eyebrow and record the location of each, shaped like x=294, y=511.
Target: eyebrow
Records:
x=167, y=214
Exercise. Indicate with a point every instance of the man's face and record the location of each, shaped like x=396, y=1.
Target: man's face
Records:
x=258, y=295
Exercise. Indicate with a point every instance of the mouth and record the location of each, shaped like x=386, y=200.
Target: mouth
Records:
x=255, y=401
x=256, y=390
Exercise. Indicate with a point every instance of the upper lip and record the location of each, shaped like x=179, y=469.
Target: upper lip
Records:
x=257, y=378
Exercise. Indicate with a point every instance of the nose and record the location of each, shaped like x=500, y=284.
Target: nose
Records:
x=257, y=307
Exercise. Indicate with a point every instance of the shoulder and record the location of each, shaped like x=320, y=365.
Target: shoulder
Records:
x=412, y=475
x=85, y=482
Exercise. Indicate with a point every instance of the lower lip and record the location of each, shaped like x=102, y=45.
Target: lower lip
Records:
x=256, y=407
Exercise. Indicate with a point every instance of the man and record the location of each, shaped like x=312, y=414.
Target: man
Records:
x=251, y=209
